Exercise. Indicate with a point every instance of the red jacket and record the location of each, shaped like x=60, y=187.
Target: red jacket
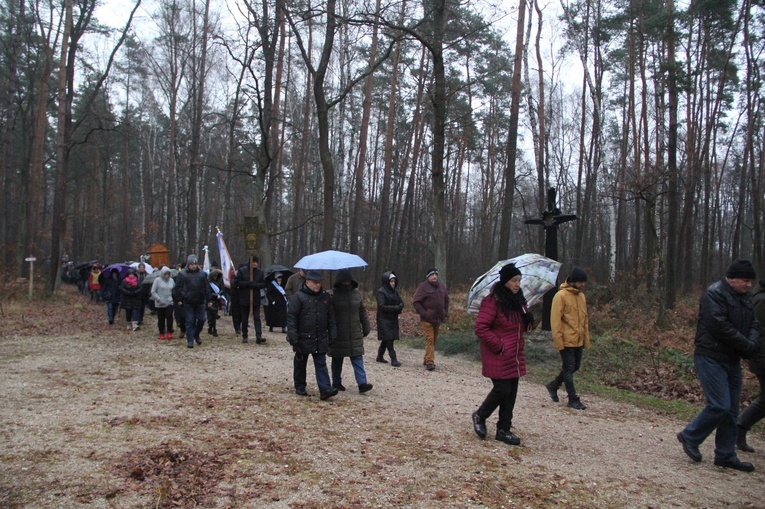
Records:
x=501, y=337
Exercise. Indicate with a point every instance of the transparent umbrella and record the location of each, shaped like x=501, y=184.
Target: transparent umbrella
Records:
x=538, y=275
x=330, y=260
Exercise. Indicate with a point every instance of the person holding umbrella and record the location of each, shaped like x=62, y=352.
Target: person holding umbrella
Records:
x=311, y=327
x=110, y=292
x=502, y=320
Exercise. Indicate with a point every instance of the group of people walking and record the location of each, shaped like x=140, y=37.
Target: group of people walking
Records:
x=318, y=323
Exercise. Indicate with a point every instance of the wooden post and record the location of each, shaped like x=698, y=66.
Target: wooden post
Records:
x=31, y=260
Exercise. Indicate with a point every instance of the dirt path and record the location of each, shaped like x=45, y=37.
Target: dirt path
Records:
x=108, y=418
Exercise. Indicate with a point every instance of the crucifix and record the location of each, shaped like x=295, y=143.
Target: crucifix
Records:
x=550, y=219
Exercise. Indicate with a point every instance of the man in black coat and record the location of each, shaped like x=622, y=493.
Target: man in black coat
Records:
x=726, y=332
x=194, y=294
x=248, y=283
x=311, y=327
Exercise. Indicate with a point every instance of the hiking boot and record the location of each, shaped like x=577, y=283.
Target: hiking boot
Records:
x=735, y=464
x=576, y=404
x=741, y=440
x=553, y=392
x=260, y=340
x=691, y=450
x=479, y=425
x=381, y=359
x=365, y=388
x=395, y=363
x=430, y=366
x=339, y=387
x=507, y=437
x=327, y=394
x=301, y=392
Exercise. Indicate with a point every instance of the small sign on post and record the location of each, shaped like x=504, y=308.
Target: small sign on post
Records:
x=31, y=260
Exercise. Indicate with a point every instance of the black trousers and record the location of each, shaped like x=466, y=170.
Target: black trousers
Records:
x=571, y=360
x=165, y=319
x=245, y=312
x=502, y=395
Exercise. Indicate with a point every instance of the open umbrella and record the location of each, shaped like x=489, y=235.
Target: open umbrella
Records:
x=538, y=275
x=149, y=268
x=330, y=260
x=122, y=269
x=271, y=270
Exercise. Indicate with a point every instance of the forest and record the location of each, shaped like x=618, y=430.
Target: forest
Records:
x=411, y=133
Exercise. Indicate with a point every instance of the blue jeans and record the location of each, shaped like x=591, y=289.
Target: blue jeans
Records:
x=299, y=365
x=111, y=310
x=195, y=320
x=721, y=383
x=358, y=370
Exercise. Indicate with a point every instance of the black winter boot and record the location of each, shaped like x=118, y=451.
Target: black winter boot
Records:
x=394, y=359
x=381, y=353
x=741, y=441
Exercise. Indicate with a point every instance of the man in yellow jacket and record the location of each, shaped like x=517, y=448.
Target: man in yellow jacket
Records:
x=571, y=334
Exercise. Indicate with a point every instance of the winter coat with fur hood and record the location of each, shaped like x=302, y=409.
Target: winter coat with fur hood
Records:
x=389, y=306
x=350, y=316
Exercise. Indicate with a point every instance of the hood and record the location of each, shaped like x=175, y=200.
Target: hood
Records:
x=759, y=288
x=385, y=278
x=164, y=270
x=215, y=275
x=343, y=276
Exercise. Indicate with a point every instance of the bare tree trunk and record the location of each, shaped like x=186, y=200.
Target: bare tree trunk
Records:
x=59, y=195
x=670, y=274
x=362, y=154
x=512, y=137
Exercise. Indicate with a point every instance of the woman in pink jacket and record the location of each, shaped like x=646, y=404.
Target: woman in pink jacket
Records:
x=501, y=322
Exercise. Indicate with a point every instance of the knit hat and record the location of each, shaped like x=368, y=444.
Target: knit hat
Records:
x=578, y=275
x=430, y=272
x=741, y=269
x=508, y=272
x=192, y=258
x=314, y=275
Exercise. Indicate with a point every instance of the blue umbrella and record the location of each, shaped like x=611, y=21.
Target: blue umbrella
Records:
x=330, y=260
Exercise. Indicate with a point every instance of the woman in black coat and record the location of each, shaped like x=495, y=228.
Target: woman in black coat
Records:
x=276, y=310
x=389, y=306
x=131, y=299
x=110, y=293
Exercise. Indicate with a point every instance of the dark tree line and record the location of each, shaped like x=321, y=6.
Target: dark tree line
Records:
x=411, y=133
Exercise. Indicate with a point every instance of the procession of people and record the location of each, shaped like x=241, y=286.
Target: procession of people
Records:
x=321, y=322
